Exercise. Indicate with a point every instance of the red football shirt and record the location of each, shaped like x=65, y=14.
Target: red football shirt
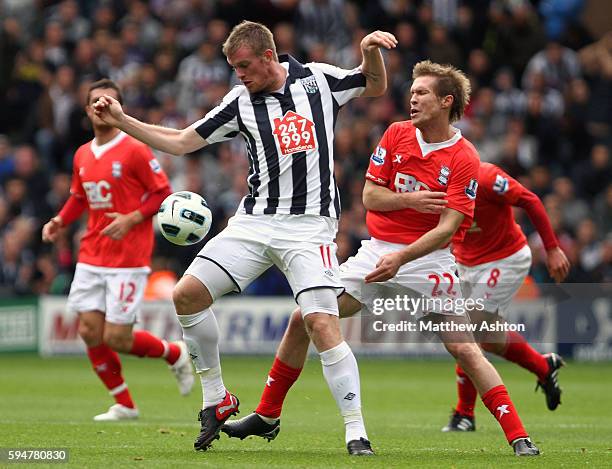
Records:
x=116, y=177
x=403, y=162
x=494, y=234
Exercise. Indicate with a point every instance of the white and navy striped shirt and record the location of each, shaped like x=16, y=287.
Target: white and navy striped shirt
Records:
x=289, y=137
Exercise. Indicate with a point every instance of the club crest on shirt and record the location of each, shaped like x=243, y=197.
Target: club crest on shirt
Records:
x=500, y=185
x=155, y=166
x=310, y=84
x=471, y=188
x=116, y=169
x=444, y=174
x=378, y=157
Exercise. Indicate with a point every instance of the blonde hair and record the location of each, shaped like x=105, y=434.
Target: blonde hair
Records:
x=254, y=35
x=449, y=81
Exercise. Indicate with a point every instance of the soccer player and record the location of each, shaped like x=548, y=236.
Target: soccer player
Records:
x=493, y=261
x=285, y=111
x=408, y=248
x=119, y=181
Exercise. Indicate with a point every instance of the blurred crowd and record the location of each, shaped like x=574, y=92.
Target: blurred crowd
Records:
x=541, y=109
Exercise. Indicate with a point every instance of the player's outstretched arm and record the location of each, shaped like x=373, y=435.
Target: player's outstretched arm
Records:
x=382, y=199
x=556, y=261
x=441, y=235
x=172, y=141
x=372, y=65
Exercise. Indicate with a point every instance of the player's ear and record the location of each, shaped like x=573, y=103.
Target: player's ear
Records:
x=447, y=101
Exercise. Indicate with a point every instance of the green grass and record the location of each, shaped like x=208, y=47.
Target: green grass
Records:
x=50, y=402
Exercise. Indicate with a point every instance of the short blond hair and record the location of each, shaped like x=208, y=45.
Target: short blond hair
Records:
x=450, y=81
x=254, y=35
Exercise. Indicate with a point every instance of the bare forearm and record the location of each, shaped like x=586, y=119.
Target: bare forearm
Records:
x=373, y=67
x=381, y=199
x=161, y=138
x=429, y=242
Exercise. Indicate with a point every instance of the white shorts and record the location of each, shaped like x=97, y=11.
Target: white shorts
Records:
x=117, y=292
x=433, y=276
x=496, y=282
x=301, y=246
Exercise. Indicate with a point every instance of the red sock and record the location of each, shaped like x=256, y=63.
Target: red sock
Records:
x=523, y=354
x=147, y=345
x=467, y=393
x=499, y=404
x=107, y=366
x=280, y=379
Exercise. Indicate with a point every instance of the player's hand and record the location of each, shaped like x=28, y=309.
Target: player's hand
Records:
x=557, y=264
x=426, y=201
x=118, y=228
x=386, y=268
x=378, y=39
x=109, y=110
x=51, y=229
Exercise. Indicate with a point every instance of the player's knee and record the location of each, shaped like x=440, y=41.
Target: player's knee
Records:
x=296, y=329
x=189, y=300
x=465, y=353
x=90, y=333
x=319, y=324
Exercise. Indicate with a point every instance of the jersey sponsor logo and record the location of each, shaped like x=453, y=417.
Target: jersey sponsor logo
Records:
x=397, y=158
x=310, y=84
x=116, y=169
x=444, y=174
x=155, y=166
x=500, y=185
x=294, y=133
x=98, y=194
x=471, y=188
x=376, y=179
x=408, y=183
x=378, y=157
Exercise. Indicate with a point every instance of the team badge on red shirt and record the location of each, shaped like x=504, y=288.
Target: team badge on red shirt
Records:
x=116, y=169
x=444, y=174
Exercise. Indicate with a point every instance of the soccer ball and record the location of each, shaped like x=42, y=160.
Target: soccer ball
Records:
x=184, y=218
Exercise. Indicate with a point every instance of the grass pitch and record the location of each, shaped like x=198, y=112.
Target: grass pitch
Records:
x=50, y=403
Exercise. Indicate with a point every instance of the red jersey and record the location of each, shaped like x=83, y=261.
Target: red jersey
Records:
x=116, y=177
x=404, y=162
x=494, y=234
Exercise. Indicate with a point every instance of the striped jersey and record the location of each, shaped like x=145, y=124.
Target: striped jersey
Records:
x=289, y=137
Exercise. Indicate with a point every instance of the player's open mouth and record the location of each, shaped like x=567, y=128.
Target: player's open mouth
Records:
x=413, y=112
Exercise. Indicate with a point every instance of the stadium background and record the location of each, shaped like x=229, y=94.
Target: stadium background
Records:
x=541, y=109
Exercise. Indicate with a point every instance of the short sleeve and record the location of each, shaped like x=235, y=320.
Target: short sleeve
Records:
x=380, y=168
x=505, y=188
x=463, y=182
x=343, y=84
x=221, y=123
x=148, y=169
x=76, y=186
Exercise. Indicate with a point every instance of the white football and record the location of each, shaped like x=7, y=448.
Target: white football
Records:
x=184, y=218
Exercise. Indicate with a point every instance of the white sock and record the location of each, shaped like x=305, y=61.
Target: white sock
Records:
x=201, y=334
x=342, y=376
x=213, y=389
